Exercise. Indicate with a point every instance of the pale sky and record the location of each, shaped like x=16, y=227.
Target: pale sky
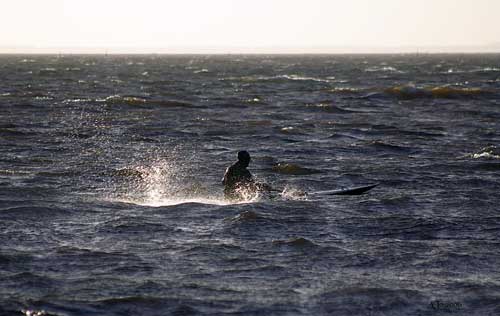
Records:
x=238, y=26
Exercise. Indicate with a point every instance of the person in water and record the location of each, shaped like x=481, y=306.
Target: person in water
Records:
x=238, y=180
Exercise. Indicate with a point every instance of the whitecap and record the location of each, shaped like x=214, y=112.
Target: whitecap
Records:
x=383, y=69
x=303, y=78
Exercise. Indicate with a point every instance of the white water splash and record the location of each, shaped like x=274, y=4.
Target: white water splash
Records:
x=291, y=193
x=164, y=182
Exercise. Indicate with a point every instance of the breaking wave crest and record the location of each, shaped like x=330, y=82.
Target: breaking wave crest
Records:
x=142, y=101
x=279, y=78
x=293, y=169
x=410, y=92
x=488, y=152
x=441, y=92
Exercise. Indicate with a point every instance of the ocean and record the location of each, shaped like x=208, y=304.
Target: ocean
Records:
x=111, y=200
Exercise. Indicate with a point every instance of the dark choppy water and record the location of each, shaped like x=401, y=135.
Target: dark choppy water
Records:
x=111, y=204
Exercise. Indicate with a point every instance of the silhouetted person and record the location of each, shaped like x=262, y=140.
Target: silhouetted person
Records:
x=238, y=178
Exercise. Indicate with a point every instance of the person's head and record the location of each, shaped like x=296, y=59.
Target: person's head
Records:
x=244, y=158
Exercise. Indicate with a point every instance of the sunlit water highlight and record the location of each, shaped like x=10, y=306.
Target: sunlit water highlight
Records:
x=163, y=183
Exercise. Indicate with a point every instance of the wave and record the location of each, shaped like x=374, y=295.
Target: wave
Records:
x=279, y=78
x=380, y=145
x=27, y=279
x=303, y=78
x=398, y=301
x=33, y=312
x=346, y=90
x=291, y=193
x=160, y=202
x=131, y=172
x=329, y=108
x=48, y=70
x=133, y=304
x=70, y=252
x=488, y=152
x=490, y=69
x=128, y=100
x=472, y=71
x=441, y=92
x=483, y=70
x=12, y=132
x=130, y=226
x=291, y=130
x=298, y=242
x=201, y=71
x=487, y=166
x=141, y=101
x=293, y=169
x=77, y=100
x=32, y=211
x=256, y=101
x=383, y=69
x=410, y=92
x=256, y=123
x=143, y=301
x=157, y=197
x=246, y=216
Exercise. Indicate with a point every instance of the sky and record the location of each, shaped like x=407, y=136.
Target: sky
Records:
x=235, y=26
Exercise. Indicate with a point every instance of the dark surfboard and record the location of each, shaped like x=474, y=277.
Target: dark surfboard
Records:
x=348, y=191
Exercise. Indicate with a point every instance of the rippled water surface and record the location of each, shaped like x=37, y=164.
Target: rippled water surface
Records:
x=111, y=202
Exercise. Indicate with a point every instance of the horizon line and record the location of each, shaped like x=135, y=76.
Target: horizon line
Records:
x=242, y=50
